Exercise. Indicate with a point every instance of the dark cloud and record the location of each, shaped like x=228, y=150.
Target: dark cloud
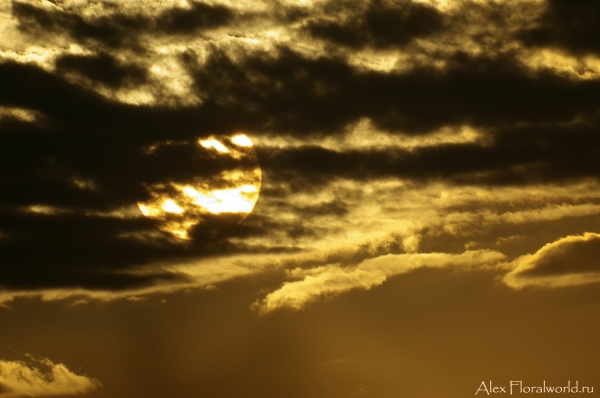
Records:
x=91, y=141
x=120, y=29
x=41, y=165
x=570, y=260
x=568, y=25
x=377, y=23
x=107, y=255
x=570, y=255
x=518, y=156
x=103, y=68
x=74, y=160
x=200, y=16
x=110, y=31
x=70, y=107
x=66, y=105
x=289, y=93
x=84, y=138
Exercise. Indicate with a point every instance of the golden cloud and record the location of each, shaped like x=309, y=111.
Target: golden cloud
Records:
x=333, y=279
x=41, y=377
x=572, y=260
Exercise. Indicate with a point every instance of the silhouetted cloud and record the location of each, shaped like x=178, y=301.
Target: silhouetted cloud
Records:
x=378, y=24
x=198, y=17
x=289, y=93
x=570, y=26
x=115, y=28
x=378, y=128
x=426, y=172
x=102, y=68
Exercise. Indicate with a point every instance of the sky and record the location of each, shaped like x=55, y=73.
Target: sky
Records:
x=298, y=198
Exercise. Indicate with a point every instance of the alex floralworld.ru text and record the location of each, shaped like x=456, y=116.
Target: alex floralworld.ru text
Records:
x=518, y=387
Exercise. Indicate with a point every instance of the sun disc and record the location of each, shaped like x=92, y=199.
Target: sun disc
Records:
x=177, y=206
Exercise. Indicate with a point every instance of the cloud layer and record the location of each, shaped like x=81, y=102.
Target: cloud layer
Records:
x=401, y=128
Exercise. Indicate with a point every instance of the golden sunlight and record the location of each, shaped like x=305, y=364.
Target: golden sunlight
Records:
x=230, y=193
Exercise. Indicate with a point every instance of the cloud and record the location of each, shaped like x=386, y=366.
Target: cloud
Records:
x=379, y=128
x=571, y=26
x=41, y=377
x=116, y=26
x=333, y=279
x=572, y=260
x=379, y=24
x=102, y=68
x=503, y=157
x=297, y=95
x=199, y=16
x=120, y=284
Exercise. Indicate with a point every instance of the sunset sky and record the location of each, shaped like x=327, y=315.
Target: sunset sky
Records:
x=298, y=198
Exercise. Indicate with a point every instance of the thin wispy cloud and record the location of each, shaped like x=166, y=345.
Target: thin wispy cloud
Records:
x=332, y=279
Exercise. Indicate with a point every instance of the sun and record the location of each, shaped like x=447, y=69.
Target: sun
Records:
x=227, y=185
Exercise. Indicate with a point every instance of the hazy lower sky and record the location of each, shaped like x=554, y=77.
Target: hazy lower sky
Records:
x=298, y=198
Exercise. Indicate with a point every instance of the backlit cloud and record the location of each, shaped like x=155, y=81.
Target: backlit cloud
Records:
x=333, y=279
x=40, y=378
x=285, y=192
x=387, y=128
x=572, y=260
